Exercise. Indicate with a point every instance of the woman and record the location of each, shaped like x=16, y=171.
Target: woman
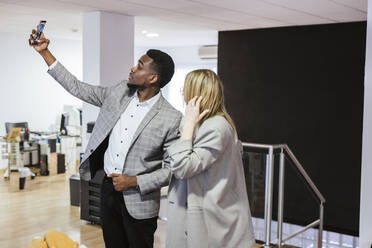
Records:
x=207, y=197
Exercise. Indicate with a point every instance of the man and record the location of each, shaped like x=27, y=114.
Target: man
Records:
x=134, y=127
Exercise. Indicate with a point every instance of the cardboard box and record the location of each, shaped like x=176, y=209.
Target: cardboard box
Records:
x=53, y=163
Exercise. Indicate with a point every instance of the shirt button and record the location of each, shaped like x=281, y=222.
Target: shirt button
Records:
x=91, y=150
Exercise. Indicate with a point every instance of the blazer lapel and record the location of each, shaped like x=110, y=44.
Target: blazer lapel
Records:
x=110, y=119
x=151, y=114
x=119, y=109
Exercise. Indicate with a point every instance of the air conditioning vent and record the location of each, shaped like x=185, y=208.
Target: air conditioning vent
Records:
x=208, y=52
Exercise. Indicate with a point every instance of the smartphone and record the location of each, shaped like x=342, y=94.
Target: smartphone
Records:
x=40, y=29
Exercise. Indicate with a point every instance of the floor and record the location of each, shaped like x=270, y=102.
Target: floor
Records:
x=306, y=239
x=46, y=205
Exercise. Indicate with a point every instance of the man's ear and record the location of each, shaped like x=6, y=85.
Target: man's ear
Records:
x=154, y=78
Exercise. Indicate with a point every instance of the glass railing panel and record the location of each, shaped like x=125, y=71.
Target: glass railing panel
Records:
x=255, y=171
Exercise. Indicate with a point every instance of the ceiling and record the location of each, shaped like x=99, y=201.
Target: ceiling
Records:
x=178, y=22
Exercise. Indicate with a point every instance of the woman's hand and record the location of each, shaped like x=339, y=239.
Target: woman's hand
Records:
x=192, y=117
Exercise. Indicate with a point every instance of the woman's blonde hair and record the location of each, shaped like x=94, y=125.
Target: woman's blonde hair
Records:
x=207, y=84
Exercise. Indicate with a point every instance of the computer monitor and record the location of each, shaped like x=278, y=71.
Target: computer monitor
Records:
x=73, y=113
x=9, y=125
x=64, y=123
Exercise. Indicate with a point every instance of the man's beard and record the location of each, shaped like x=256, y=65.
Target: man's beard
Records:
x=132, y=86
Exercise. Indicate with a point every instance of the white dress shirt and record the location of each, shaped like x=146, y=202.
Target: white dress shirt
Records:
x=123, y=132
x=53, y=65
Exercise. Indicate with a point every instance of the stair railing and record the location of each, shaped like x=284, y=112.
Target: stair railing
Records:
x=284, y=150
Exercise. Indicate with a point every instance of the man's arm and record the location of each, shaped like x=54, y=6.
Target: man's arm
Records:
x=89, y=93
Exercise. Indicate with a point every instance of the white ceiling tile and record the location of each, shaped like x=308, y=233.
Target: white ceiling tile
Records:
x=262, y=10
x=357, y=4
x=163, y=4
x=55, y=6
x=321, y=8
x=104, y=5
x=21, y=10
x=178, y=21
x=230, y=16
x=9, y=1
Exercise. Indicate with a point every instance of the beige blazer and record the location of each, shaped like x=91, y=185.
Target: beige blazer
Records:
x=207, y=197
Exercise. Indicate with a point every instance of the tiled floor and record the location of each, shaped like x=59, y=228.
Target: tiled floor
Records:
x=307, y=239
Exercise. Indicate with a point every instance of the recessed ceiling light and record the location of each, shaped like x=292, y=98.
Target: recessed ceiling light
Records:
x=152, y=35
x=144, y=32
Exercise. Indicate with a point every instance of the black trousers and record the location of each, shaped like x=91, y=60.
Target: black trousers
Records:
x=120, y=229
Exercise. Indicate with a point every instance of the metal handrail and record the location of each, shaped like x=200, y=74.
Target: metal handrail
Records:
x=269, y=192
x=314, y=224
x=304, y=174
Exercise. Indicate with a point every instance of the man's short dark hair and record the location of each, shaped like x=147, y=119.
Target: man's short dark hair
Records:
x=162, y=64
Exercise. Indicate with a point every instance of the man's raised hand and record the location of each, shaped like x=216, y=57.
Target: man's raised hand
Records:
x=41, y=45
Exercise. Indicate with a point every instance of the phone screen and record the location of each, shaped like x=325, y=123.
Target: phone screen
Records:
x=40, y=29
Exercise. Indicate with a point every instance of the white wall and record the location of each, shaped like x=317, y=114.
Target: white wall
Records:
x=365, y=231
x=27, y=92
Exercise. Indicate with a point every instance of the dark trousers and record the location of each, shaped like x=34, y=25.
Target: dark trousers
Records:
x=120, y=229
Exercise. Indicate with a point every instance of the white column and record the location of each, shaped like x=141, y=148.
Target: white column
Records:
x=365, y=227
x=108, y=50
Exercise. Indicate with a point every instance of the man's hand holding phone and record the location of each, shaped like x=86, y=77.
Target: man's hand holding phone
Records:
x=41, y=44
x=38, y=41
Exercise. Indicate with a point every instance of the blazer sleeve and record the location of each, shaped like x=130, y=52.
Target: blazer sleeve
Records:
x=189, y=159
x=88, y=93
x=159, y=178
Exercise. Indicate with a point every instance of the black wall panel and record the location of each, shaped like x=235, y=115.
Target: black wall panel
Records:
x=303, y=86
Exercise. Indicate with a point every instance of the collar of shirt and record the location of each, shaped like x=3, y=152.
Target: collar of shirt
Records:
x=149, y=102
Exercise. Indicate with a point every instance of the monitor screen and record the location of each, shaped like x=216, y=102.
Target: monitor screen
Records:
x=64, y=123
x=9, y=125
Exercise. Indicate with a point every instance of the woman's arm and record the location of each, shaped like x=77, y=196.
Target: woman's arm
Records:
x=190, y=158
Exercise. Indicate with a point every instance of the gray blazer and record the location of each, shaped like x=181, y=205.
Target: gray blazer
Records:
x=207, y=197
x=155, y=133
